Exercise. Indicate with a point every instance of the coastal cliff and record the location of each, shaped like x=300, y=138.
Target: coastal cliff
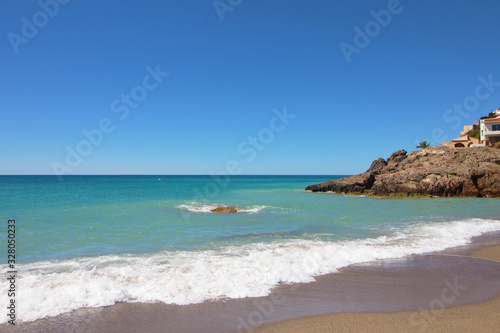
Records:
x=434, y=171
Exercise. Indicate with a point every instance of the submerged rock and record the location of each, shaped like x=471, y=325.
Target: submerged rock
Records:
x=434, y=171
x=224, y=209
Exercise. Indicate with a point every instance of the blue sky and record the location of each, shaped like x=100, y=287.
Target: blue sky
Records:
x=419, y=70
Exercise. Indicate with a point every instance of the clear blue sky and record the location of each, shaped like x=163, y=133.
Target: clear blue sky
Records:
x=227, y=76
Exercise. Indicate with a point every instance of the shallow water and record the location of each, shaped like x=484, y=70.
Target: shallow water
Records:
x=97, y=240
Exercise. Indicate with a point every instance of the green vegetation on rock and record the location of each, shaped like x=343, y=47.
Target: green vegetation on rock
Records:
x=475, y=132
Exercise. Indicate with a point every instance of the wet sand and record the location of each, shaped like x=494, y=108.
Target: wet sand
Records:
x=405, y=294
x=481, y=317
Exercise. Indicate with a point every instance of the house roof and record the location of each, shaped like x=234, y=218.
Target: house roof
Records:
x=462, y=138
x=465, y=138
x=491, y=120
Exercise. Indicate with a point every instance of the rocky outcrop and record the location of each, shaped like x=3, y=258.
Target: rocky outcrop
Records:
x=224, y=209
x=434, y=171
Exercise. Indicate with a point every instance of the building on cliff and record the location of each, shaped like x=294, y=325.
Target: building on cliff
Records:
x=464, y=140
x=490, y=130
x=467, y=129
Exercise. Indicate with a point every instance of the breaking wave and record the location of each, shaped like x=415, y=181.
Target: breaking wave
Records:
x=50, y=288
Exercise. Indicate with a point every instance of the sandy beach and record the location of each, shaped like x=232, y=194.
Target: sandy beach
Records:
x=482, y=317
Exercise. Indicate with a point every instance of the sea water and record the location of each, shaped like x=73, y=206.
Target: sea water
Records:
x=91, y=241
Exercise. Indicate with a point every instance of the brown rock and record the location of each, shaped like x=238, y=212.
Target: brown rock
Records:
x=436, y=171
x=377, y=165
x=224, y=209
x=397, y=156
x=352, y=184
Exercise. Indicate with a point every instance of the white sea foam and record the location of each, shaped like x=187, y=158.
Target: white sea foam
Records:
x=197, y=208
x=52, y=287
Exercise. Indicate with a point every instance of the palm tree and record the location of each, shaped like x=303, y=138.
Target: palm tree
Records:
x=424, y=144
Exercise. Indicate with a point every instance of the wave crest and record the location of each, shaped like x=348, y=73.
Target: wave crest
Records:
x=184, y=277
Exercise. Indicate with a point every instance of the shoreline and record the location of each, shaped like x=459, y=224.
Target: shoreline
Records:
x=477, y=317
x=385, y=293
x=481, y=318
x=396, y=195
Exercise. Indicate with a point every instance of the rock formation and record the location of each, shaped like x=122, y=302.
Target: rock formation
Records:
x=434, y=171
x=224, y=209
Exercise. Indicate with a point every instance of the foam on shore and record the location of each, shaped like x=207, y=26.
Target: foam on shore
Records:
x=50, y=288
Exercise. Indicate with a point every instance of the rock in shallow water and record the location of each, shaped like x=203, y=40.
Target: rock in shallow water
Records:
x=224, y=209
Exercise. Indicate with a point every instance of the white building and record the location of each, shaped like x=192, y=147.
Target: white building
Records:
x=490, y=130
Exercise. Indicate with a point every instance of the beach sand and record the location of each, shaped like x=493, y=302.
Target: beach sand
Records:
x=491, y=253
x=483, y=317
x=394, y=295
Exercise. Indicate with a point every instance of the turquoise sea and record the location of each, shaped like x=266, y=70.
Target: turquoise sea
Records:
x=89, y=241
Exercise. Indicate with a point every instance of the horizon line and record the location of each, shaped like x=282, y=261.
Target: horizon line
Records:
x=167, y=175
